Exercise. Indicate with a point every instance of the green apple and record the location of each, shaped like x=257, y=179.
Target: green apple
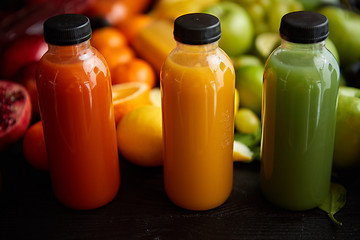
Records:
x=257, y=12
x=236, y=27
x=311, y=5
x=278, y=9
x=344, y=28
x=249, y=84
x=266, y=14
x=246, y=60
x=266, y=42
x=347, y=135
x=332, y=48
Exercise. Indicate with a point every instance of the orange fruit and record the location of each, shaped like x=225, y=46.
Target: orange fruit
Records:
x=136, y=70
x=112, y=10
x=128, y=96
x=34, y=147
x=116, y=11
x=116, y=56
x=133, y=25
x=107, y=37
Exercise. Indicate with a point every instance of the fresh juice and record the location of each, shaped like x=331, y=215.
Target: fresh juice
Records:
x=197, y=85
x=79, y=126
x=299, y=111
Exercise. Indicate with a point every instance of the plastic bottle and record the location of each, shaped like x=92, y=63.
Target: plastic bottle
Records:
x=301, y=81
x=76, y=109
x=197, y=85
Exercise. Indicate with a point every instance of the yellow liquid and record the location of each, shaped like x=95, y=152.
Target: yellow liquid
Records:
x=198, y=115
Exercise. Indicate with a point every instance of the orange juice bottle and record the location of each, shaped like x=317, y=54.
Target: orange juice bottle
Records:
x=74, y=89
x=197, y=85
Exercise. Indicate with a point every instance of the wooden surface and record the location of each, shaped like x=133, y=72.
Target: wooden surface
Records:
x=141, y=210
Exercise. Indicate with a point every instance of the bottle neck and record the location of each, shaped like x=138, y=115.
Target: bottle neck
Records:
x=303, y=46
x=198, y=48
x=71, y=50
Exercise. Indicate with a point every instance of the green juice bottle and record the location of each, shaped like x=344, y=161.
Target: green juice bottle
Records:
x=301, y=82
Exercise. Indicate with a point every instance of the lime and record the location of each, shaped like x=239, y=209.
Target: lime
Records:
x=246, y=121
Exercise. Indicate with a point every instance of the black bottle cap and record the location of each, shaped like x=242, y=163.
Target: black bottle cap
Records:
x=197, y=29
x=67, y=29
x=304, y=27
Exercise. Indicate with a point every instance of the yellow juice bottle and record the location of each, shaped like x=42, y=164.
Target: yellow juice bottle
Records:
x=197, y=85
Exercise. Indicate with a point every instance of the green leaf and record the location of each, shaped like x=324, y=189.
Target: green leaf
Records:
x=249, y=140
x=256, y=150
x=335, y=200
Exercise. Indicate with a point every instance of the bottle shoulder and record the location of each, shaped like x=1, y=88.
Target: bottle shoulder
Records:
x=87, y=68
x=298, y=58
x=86, y=59
x=198, y=59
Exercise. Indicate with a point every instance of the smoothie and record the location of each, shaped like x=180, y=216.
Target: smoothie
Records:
x=299, y=111
x=198, y=110
x=74, y=87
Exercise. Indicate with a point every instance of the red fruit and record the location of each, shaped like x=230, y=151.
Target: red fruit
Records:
x=20, y=52
x=29, y=18
x=27, y=77
x=15, y=112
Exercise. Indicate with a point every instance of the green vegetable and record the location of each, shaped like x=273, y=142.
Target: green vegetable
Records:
x=335, y=201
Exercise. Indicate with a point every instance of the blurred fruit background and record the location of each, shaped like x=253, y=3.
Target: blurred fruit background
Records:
x=135, y=36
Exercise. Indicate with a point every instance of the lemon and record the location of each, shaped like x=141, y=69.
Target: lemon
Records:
x=246, y=121
x=241, y=152
x=155, y=96
x=236, y=101
x=139, y=135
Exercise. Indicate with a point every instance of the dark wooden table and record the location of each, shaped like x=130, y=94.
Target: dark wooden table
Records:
x=141, y=210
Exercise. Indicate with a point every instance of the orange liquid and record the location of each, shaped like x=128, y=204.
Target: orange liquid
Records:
x=198, y=113
x=79, y=127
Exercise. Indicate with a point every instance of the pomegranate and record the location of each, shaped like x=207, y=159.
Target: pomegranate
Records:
x=15, y=112
x=20, y=52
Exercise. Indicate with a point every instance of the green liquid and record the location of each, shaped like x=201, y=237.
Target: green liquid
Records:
x=299, y=113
